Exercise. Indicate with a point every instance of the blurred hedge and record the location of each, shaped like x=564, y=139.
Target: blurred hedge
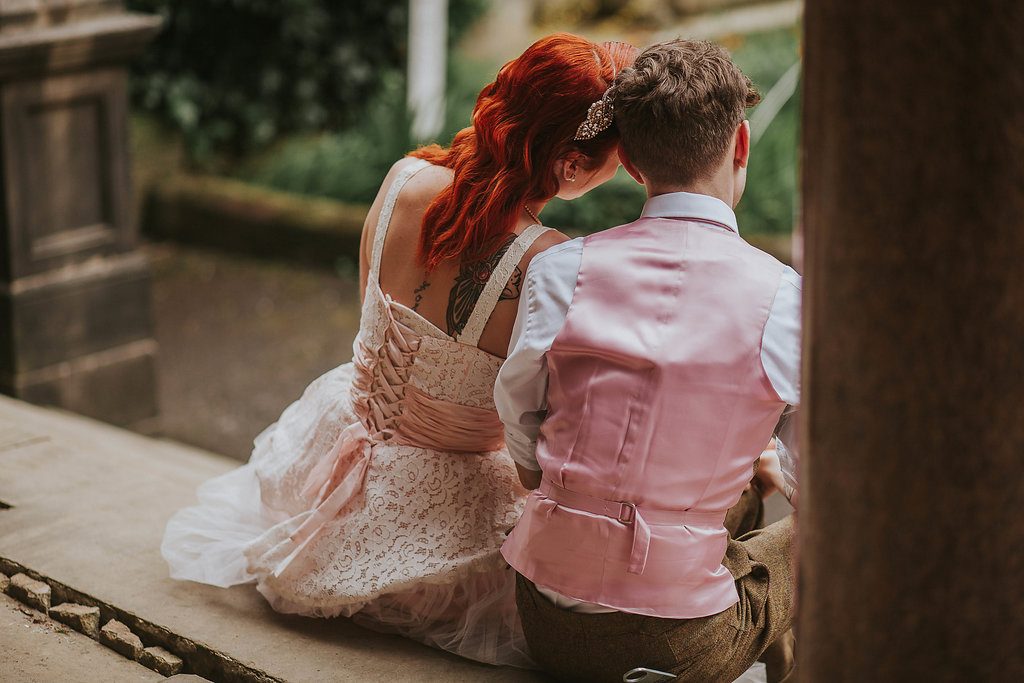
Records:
x=234, y=75
x=771, y=199
x=349, y=165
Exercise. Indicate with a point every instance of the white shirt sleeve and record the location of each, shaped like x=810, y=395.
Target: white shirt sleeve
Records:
x=521, y=389
x=780, y=356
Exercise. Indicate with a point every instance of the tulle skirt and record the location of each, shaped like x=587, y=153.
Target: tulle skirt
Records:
x=414, y=549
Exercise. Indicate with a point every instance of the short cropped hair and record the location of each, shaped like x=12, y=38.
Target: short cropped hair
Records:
x=678, y=108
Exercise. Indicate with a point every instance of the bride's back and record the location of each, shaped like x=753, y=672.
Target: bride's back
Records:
x=446, y=296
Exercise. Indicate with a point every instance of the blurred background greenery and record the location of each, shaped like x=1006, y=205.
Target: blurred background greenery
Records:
x=308, y=96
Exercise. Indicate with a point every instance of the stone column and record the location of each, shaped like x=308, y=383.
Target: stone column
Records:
x=75, y=328
x=911, y=526
x=428, y=59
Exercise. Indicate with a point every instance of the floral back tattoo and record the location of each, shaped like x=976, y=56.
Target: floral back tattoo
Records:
x=469, y=285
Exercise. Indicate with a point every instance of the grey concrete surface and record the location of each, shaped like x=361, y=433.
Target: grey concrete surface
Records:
x=240, y=338
x=34, y=649
x=88, y=505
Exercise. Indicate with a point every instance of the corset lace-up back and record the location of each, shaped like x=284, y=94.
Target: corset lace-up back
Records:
x=414, y=383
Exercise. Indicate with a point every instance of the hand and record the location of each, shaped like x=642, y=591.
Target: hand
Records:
x=768, y=478
x=530, y=479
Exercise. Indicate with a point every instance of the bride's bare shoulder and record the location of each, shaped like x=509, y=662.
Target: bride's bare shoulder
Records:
x=425, y=185
x=431, y=176
x=418, y=191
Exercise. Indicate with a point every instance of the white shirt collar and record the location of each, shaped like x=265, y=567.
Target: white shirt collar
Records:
x=700, y=207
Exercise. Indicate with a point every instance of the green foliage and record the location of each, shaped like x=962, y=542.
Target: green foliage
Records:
x=349, y=165
x=234, y=75
x=616, y=202
x=770, y=200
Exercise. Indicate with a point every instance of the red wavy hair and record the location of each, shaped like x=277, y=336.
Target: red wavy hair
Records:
x=523, y=123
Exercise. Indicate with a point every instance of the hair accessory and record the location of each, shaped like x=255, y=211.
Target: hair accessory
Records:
x=599, y=117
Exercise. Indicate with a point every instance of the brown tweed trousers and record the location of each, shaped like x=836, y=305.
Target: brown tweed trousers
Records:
x=592, y=648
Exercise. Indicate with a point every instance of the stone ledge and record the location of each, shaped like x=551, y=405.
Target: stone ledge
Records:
x=52, y=49
x=125, y=486
x=34, y=648
x=243, y=218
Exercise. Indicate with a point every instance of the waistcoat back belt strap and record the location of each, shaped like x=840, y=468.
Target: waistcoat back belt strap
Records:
x=631, y=515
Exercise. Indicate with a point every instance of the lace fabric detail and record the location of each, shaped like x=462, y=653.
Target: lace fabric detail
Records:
x=453, y=372
x=421, y=518
x=382, y=372
x=285, y=452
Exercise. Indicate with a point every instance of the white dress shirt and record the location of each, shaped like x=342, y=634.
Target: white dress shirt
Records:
x=521, y=388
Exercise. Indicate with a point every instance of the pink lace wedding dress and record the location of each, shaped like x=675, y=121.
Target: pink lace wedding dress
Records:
x=384, y=492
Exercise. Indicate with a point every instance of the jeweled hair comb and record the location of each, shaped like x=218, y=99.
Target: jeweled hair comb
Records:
x=599, y=117
x=601, y=114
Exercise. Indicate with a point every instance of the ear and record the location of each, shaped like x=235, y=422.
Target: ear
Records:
x=742, y=153
x=570, y=165
x=628, y=165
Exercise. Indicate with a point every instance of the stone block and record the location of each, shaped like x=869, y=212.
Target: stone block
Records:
x=75, y=312
x=187, y=678
x=117, y=387
x=120, y=638
x=160, y=661
x=35, y=594
x=5, y=581
x=48, y=36
x=79, y=617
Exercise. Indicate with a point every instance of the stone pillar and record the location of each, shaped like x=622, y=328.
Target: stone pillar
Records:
x=911, y=526
x=428, y=59
x=75, y=328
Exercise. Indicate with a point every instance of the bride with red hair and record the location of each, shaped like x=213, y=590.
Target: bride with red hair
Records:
x=385, y=492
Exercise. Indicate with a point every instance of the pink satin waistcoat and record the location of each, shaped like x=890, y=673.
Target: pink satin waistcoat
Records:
x=658, y=407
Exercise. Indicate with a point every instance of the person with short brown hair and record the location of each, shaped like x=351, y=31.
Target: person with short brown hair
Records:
x=678, y=109
x=649, y=366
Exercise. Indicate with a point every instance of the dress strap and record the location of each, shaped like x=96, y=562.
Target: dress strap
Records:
x=496, y=284
x=386, y=209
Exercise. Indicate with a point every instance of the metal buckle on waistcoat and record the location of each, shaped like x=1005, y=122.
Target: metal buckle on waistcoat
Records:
x=627, y=513
x=645, y=675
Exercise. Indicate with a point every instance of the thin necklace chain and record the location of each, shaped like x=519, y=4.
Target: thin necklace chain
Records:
x=535, y=217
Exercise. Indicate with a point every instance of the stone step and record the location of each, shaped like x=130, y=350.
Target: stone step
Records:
x=88, y=503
